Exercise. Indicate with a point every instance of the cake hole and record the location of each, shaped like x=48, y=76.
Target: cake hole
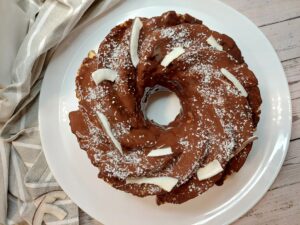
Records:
x=162, y=106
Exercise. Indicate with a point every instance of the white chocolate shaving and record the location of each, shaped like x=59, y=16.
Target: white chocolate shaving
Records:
x=134, y=41
x=235, y=81
x=251, y=139
x=213, y=42
x=106, y=127
x=104, y=74
x=210, y=170
x=165, y=183
x=160, y=152
x=174, y=54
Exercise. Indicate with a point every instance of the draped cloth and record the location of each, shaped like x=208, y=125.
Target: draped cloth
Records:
x=29, y=194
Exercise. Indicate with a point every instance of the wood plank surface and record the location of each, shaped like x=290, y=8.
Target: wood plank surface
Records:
x=266, y=12
x=285, y=37
x=280, y=22
x=292, y=68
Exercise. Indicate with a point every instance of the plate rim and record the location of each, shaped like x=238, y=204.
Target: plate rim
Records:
x=284, y=148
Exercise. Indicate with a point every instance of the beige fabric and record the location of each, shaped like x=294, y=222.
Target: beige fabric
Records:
x=29, y=193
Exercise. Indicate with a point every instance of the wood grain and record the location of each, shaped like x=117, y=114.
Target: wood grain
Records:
x=266, y=12
x=292, y=70
x=289, y=174
x=280, y=22
x=278, y=207
x=285, y=37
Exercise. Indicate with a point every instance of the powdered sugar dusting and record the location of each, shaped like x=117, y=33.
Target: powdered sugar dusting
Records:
x=207, y=70
x=120, y=129
x=216, y=119
x=178, y=38
x=116, y=55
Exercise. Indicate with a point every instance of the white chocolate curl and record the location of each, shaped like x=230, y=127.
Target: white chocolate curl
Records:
x=244, y=145
x=210, y=170
x=165, y=183
x=134, y=41
x=160, y=152
x=104, y=74
x=213, y=43
x=106, y=127
x=235, y=81
x=174, y=54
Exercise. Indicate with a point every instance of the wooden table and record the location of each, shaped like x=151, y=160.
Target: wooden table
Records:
x=280, y=21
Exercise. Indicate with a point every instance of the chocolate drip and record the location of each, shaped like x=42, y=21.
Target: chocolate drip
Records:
x=215, y=119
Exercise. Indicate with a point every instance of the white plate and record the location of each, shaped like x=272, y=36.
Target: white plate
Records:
x=220, y=205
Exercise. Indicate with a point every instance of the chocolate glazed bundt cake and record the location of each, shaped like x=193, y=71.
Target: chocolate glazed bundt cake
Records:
x=207, y=141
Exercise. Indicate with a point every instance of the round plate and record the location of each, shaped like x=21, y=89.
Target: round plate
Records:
x=219, y=205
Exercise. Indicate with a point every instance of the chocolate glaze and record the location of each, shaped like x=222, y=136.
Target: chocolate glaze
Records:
x=215, y=119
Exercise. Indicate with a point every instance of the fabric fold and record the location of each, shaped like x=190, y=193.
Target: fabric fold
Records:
x=24, y=174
